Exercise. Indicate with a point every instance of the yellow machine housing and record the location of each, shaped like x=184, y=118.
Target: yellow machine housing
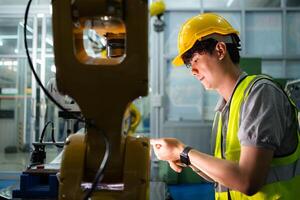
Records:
x=103, y=88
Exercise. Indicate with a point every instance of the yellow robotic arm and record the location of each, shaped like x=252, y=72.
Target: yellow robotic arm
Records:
x=102, y=86
x=132, y=118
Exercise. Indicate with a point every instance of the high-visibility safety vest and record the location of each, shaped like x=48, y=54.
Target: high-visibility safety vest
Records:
x=283, y=179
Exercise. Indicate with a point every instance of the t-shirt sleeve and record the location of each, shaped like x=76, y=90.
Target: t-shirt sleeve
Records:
x=262, y=120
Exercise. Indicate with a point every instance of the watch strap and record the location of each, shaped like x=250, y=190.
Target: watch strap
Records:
x=184, y=157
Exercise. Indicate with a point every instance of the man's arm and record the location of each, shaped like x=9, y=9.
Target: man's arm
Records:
x=200, y=173
x=246, y=176
x=177, y=166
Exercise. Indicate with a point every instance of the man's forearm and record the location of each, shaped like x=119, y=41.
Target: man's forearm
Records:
x=222, y=171
x=200, y=173
x=247, y=176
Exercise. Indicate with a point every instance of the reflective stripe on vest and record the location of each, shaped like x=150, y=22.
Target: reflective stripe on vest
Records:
x=283, y=176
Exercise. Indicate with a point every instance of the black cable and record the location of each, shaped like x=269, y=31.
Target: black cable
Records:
x=34, y=72
x=44, y=130
x=99, y=175
x=53, y=138
x=52, y=134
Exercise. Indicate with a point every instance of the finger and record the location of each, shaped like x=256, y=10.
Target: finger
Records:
x=180, y=164
x=155, y=143
x=156, y=152
x=175, y=167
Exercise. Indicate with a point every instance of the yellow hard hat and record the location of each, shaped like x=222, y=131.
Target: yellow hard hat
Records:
x=196, y=28
x=157, y=8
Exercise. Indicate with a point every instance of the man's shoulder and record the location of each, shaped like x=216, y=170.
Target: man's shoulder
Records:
x=266, y=84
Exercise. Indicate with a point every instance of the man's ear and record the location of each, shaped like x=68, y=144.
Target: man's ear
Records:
x=221, y=50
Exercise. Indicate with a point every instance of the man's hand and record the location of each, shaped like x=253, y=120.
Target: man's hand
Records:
x=175, y=165
x=168, y=149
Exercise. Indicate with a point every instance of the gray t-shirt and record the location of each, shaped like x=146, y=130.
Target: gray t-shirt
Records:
x=267, y=119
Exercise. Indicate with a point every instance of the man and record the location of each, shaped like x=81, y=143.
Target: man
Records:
x=257, y=149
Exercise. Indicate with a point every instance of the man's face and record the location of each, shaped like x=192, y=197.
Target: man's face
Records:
x=203, y=67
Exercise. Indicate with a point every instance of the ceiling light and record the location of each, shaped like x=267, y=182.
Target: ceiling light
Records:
x=50, y=9
x=229, y=3
x=40, y=15
x=53, y=68
x=8, y=63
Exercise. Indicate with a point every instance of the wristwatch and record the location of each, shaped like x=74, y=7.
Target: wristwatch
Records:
x=184, y=156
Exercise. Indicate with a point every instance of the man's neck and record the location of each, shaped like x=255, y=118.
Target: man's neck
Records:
x=229, y=81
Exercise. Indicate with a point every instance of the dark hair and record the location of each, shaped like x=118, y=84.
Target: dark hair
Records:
x=208, y=46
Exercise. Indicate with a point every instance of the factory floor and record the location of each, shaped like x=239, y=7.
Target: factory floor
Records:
x=13, y=162
x=11, y=167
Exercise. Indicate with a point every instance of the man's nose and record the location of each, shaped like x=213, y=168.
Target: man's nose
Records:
x=194, y=71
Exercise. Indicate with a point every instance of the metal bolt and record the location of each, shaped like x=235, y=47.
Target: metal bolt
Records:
x=145, y=144
x=67, y=142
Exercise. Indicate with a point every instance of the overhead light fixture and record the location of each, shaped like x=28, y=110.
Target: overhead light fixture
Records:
x=8, y=63
x=1, y=42
x=229, y=3
x=40, y=15
x=50, y=9
x=53, y=68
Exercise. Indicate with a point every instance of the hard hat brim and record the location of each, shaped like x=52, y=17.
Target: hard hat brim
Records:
x=177, y=61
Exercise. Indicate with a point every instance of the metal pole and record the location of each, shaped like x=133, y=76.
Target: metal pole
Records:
x=33, y=82
x=43, y=74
